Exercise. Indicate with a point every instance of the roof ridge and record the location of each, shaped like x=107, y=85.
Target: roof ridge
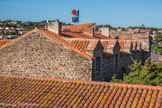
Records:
x=81, y=24
x=78, y=27
x=64, y=42
x=71, y=39
x=58, y=39
x=82, y=81
x=14, y=40
x=5, y=41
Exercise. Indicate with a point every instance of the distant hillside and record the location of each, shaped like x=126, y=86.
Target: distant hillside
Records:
x=26, y=25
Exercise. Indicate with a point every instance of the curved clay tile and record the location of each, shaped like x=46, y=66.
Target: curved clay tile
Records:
x=52, y=92
x=4, y=42
x=78, y=28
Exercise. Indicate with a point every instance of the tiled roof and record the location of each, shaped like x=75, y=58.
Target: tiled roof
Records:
x=82, y=35
x=125, y=35
x=125, y=43
x=4, y=42
x=56, y=38
x=138, y=45
x=61, y=93
x=76, y=35
x=90, y=44
x=99, y=36
x=108, y=43
x=83, y=44
x=9, y=41
x=125, y=46
x=78, y=28
x=134, y=43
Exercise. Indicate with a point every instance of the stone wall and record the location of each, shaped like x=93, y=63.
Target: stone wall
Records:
x=125, y=62
x=37, y=55
x=146, y=47
x=137, y=55
x=55, y=27
x=89, y=31
x=104, y=31
x=108, y=68
x=127, y=35
x=98, y=52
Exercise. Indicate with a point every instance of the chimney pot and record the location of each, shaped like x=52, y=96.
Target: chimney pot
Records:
x=55, y=26
x=104, y=31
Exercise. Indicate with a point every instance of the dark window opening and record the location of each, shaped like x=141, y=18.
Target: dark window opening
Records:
x=98, y=65
x=116, y=60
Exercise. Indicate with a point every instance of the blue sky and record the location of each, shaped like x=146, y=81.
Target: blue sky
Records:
x=121, y=13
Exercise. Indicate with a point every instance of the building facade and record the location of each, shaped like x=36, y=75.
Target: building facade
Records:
x=72, y=52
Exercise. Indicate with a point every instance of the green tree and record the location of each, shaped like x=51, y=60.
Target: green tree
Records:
x=5, y=24
x=158, y=38
x=2, y=32
x=157, y=46
x=148, y=74
x=114, y=79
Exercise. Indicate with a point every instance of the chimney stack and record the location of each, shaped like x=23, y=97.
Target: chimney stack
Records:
x=104, y=31
x=55, y=26
x=89, y=31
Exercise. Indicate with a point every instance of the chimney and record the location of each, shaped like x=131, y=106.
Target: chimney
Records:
x=89, y=31
x=55, y=26
x=104, y=31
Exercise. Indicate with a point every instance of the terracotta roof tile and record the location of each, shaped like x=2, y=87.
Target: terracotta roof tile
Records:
x=4, y=42
x=82, y=35
x=51, y=35
x=90, y=44
x=51, y=92
x=125, y=35
x=9, y=41
x=108, y=45
x=125, y=43
x=134, y=43
x=99, y=36
x=76, y=35
x=83, y=44
x=78, y=28
x=58, y=39
x=126, y=46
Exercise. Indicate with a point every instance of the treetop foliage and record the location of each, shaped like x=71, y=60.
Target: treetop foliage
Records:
x=148, y=74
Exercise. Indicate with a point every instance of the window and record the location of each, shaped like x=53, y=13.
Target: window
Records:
x=116, y=61
x=98, y=65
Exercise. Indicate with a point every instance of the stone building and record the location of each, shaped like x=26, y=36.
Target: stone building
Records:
x=72, y=52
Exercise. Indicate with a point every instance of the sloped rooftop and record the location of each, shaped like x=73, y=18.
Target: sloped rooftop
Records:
x=76, y=35
x=77, y=28
x=52, y=36
x=80, y=46
x=50, y=92
x=83, y=44
x=4, y=41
